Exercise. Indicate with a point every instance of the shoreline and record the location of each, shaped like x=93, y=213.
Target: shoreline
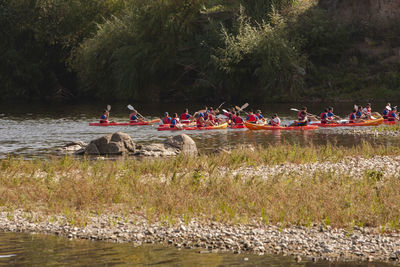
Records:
x=314, y=243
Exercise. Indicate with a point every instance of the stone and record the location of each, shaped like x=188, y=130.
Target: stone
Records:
x=112, y=144
x=91, y=149
x=183, y=143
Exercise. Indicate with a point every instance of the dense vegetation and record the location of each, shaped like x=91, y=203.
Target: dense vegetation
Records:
x=194, y=50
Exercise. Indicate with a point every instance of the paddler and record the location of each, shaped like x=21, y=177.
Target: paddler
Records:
x=324, y=116
x=211, y=120
x=367, y=111
x=175, y=121
x=186, y=115
x=237, y=119
x=386, y=111
x=393, y=115
x=331, y=115
x=132, y=117
x=353, y=116
x=260, y=116
x=300, y=111
x=200, y=120
x=275, y=120
x=303, y=119
x=251, y=117
x=359, y=112
x=167, y=119
x=104, y=117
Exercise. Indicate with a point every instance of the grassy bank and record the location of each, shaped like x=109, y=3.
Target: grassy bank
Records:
x=165, y=189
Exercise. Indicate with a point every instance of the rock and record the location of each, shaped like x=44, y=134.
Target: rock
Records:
x=156, y=150
x=73, y=148
x=91, y=149
x=112, y=144
x=183, y=143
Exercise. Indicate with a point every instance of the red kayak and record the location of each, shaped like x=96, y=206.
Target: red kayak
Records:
x=237, y=126
x=390, y=122
x=139, y=123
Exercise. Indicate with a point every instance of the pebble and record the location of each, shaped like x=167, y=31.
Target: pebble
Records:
x=316, y=242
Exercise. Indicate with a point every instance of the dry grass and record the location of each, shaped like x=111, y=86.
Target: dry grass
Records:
x=165, y=189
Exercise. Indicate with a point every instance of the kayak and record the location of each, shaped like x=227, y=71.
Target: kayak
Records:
x=390, y=122
x=254, y=126
x=347, y=124
x=237, y=126
x=167, y=127
x=139, y=123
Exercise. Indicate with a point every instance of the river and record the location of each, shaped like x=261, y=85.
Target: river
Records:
x=32, y=130
x=43, y=250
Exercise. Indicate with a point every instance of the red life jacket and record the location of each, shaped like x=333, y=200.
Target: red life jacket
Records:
x=252, y=118
x=352, y=117
x=324, y=117
x=238, y=120
x=184, y=116
x=392, y=115
x=166, y=120
x=199, y=122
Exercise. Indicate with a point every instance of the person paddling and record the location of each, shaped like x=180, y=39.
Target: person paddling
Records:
x=367, y=111
x=251, y=117
x=133, y=117
x=167, y=119
x=386, y=111
x=104, y=116
x=185, y=115
x=260, y=116
x=331, y=115
x=175, y=121
x=200, y=120
x=353, y=116
x=393, y=115
x=359, y=112
x=303, y=120
x=324, y=116
x=237, y=119
x=275, y=120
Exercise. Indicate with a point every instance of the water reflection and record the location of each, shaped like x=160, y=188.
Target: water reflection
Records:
x=42, y=250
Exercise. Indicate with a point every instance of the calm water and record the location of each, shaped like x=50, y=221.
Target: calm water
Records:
x=42, y=250
x=36, y=129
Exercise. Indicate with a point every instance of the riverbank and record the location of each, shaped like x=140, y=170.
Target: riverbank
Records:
x=315, y=242
x=313, y=202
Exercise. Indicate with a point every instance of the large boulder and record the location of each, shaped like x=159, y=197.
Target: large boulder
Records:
x=183, y=143
x=112, y=144
x=171, y=147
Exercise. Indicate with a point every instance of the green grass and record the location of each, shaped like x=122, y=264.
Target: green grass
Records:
x=191, y=187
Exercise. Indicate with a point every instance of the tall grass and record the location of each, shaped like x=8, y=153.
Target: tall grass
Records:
x=190, y=187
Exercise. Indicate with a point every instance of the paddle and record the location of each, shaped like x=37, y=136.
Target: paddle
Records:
x=217, y=110
x=242, y=107
x=133, y=109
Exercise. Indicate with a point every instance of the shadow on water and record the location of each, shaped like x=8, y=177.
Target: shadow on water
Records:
x=43, y=250
x=36, y=129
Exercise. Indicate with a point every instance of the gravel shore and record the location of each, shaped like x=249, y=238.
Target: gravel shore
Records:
x=309, y=243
